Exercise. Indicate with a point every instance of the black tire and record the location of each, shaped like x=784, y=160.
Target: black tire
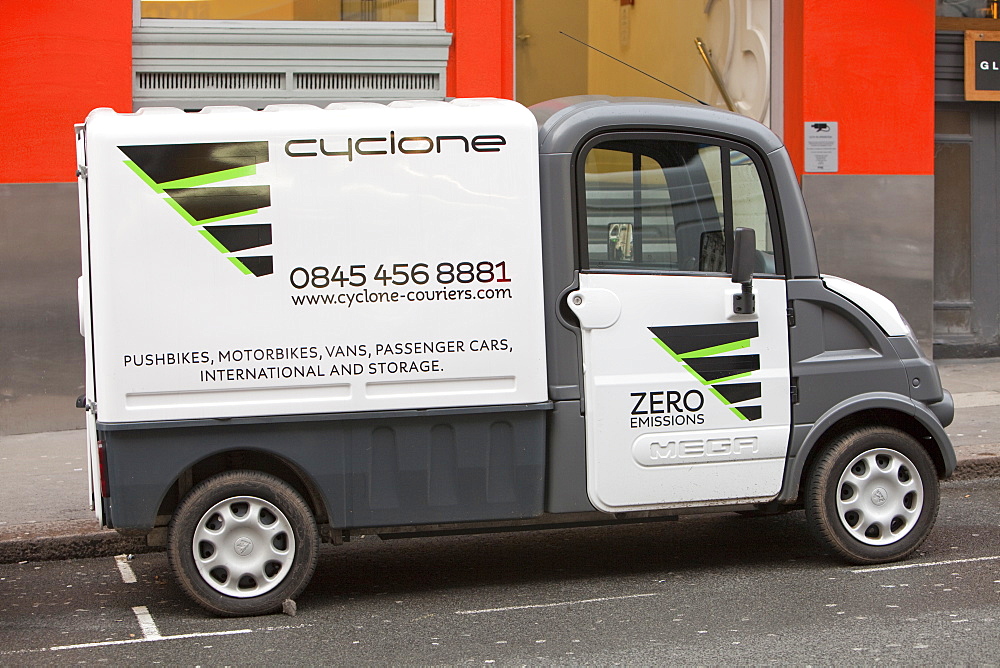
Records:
x=873, y=495
x=242, y=542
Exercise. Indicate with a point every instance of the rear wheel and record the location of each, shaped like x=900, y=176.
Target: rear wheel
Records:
x=242, y=542
x=873, y=495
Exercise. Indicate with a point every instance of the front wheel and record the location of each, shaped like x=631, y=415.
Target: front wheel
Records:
x=873, y=496
x=242, y=542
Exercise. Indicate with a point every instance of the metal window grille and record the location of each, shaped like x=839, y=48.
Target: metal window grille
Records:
x=210, y=81
x=358, y=81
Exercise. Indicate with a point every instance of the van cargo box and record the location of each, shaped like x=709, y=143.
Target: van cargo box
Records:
x=363, y=257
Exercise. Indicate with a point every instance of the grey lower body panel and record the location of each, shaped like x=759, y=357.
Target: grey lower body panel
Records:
x=437, y=467
x=567, y=470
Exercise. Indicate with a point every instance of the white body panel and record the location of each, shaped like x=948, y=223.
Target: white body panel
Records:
x=83, y=298
x=182, y=331
x=882, y=311
x=660, y=433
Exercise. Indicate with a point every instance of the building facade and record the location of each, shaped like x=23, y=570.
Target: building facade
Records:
x=852, y=88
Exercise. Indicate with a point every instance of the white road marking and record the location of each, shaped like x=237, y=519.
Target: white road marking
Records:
x=552, y=605
x=899, y=567
x=146, y=623
x=128, y=575
x=150, y=633
x=133, y=641
x=266, y=629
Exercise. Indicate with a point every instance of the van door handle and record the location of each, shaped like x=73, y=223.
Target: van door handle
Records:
x=596, y=308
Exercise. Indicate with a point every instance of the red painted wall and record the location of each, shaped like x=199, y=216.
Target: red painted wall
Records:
x=62, y=58
x=481, y=58
x=59, y=59
x=870, y=67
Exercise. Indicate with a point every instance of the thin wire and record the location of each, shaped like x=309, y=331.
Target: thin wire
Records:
x=635, y=68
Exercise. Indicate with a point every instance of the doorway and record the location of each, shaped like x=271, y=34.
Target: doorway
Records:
x=966, y=212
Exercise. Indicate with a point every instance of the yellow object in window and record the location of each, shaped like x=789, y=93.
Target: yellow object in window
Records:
x=290, y=10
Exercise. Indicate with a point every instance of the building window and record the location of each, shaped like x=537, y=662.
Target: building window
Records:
x=658, y=38
x=972, y=9
x=383, y=11
x=968, y=14
x=195, y=53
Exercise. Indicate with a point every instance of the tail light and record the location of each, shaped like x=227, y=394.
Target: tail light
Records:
x=102, y=458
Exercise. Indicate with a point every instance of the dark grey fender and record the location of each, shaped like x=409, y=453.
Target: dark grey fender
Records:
x=806, y=437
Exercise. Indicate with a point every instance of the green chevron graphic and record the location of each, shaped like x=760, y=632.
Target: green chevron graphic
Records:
x=186, y=176
x=704, y=352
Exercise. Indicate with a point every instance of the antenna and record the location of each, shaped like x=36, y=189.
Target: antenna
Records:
x=714, y=71
x=635, y=68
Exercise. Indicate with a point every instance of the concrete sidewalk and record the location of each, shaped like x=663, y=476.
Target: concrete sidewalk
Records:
x=45, y=511
x=44, y=504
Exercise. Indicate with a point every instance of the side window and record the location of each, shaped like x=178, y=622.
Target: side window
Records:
x=671, y=205
x=750, y=208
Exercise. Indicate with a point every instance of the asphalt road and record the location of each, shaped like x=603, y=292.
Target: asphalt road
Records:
x=708, y=590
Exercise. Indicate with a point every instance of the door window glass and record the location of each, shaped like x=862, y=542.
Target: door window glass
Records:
x=750, y=207
x=653, y=204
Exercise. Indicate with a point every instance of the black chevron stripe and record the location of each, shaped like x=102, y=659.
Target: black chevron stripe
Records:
x=170, y=162
x=737, y=392
x=240, y=237
x=688, y=338
x=715, y=368
x=749, y=412
x=259, y=265
x=208, y=203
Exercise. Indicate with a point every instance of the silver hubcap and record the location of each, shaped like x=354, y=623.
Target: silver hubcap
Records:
x=243, y=546
x=880, y=496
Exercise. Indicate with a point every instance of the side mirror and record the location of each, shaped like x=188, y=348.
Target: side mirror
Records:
x=744, y=259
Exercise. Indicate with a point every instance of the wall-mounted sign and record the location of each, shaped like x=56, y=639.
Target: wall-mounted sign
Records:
x=822, y=146
x=982, y=65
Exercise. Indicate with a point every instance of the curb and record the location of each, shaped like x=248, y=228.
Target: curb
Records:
x=83, y=539
x=977, y=467
x=78, y=539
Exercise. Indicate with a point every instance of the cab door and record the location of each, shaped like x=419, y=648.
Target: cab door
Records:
x=686, y=401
